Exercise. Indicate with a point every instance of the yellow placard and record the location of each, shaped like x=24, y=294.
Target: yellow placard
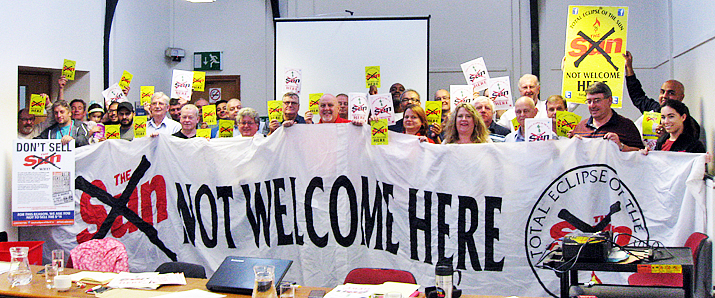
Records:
x=595, y=44
x=275, y=110
x=666, y=269
x=565, y=122
x=313, y=100
x=125, y=80
x=111, y=132
x=199, y=81
x=146, y=92
x=225, y=128
x=203, y=133
x=208, y=114
x=379, y=132
x=372, y=76
x=140, y=126
x=68, y=69
x=433, y=110
x=515, y=124
x=650, y=122
x=37, y=105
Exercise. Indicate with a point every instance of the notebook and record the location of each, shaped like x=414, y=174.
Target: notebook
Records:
x=235, y=275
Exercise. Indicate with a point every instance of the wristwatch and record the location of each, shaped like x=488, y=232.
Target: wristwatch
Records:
x=622, y=145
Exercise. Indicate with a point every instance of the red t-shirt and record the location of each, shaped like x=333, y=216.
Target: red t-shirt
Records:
x=666, y=146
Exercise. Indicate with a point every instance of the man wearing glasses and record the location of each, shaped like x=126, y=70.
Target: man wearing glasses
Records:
x=605, y=122
x=410, y=96
x=291, y=105
x=248, y=122
x=159, y=123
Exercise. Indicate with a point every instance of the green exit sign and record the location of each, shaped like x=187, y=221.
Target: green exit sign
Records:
x=208, y=60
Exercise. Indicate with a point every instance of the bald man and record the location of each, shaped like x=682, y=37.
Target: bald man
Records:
x=671, y=89
x=524, y=107
x=329, y=110
x=530, y=87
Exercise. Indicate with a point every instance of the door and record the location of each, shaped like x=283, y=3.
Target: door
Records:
x=219, y=87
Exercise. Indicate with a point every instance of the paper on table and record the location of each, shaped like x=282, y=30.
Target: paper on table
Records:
x=134, y=280
x=352, y=291
x=93, y=277
x=403, y=288
x=195, y=293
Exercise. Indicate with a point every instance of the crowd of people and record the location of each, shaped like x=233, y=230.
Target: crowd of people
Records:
x=475, y=122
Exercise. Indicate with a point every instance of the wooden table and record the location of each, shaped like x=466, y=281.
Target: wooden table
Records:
x=37, y=288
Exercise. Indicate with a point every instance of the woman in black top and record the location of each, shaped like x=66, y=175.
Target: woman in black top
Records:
x=679, y=129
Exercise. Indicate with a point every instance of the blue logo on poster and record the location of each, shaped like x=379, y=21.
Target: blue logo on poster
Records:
x=615, y=100
x=568, y=94
x=574, y=10
x=621, y=12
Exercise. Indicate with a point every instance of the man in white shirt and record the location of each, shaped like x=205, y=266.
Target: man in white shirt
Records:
x=529, y=86
x=159, y=123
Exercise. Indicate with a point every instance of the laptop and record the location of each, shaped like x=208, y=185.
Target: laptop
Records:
x=235, y=275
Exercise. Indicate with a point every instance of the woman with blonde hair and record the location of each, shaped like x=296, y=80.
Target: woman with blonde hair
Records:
x=465, y=126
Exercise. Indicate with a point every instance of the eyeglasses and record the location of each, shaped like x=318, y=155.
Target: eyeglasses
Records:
x=246, y=123
x=594, y=101
x=27, y=119
x=295, y=103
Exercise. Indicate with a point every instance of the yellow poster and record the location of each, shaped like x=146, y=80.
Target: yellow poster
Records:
x=146, y=92
x=37, y=105
x=111, y=132
x=595, y=44
x=68, y=69
x=199, y=81
x=275, y=110
x=379, y=132
x=208, y=114
x=433, y=110
x=565, y=122
x=125, y=80
x=225, y=128
x=372, y=76
x=203, y=133
x=515, y=124
x=139, y=126
x=650, y=122
x=313, y=102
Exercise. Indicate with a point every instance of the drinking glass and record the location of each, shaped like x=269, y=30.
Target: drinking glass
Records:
x=51, y=272
x=58, y=259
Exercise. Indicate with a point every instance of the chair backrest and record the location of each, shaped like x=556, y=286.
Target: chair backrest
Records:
x=189, y=269
x=376, y=276
x=702, y=277
x=106, y=255
x=694, y=243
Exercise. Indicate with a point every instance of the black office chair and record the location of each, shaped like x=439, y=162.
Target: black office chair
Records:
x=189, y=270
x=3, y=236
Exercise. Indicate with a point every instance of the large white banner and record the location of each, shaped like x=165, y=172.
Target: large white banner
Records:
x=322, y=196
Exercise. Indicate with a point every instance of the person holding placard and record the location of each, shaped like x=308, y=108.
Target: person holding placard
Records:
x=605, y=122
x=189, y=118
x=554, y=104
x=485, y=106
x=679, y=129
x=65, y=129
x=26, y=127
x=465, y=126
x=111, y=117
x=415, y=123
x=159, y=123
x=524, y=107
x=291, y=105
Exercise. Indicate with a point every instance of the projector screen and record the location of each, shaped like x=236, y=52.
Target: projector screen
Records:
x=332, y=54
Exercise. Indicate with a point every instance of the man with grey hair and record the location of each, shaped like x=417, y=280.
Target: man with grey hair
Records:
x=291, y=105
x=410, y=96
x=248, y=122
x=485, y=107
x=189, y=118
x=529, y=86
x=159, y=123
x=605, y=122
